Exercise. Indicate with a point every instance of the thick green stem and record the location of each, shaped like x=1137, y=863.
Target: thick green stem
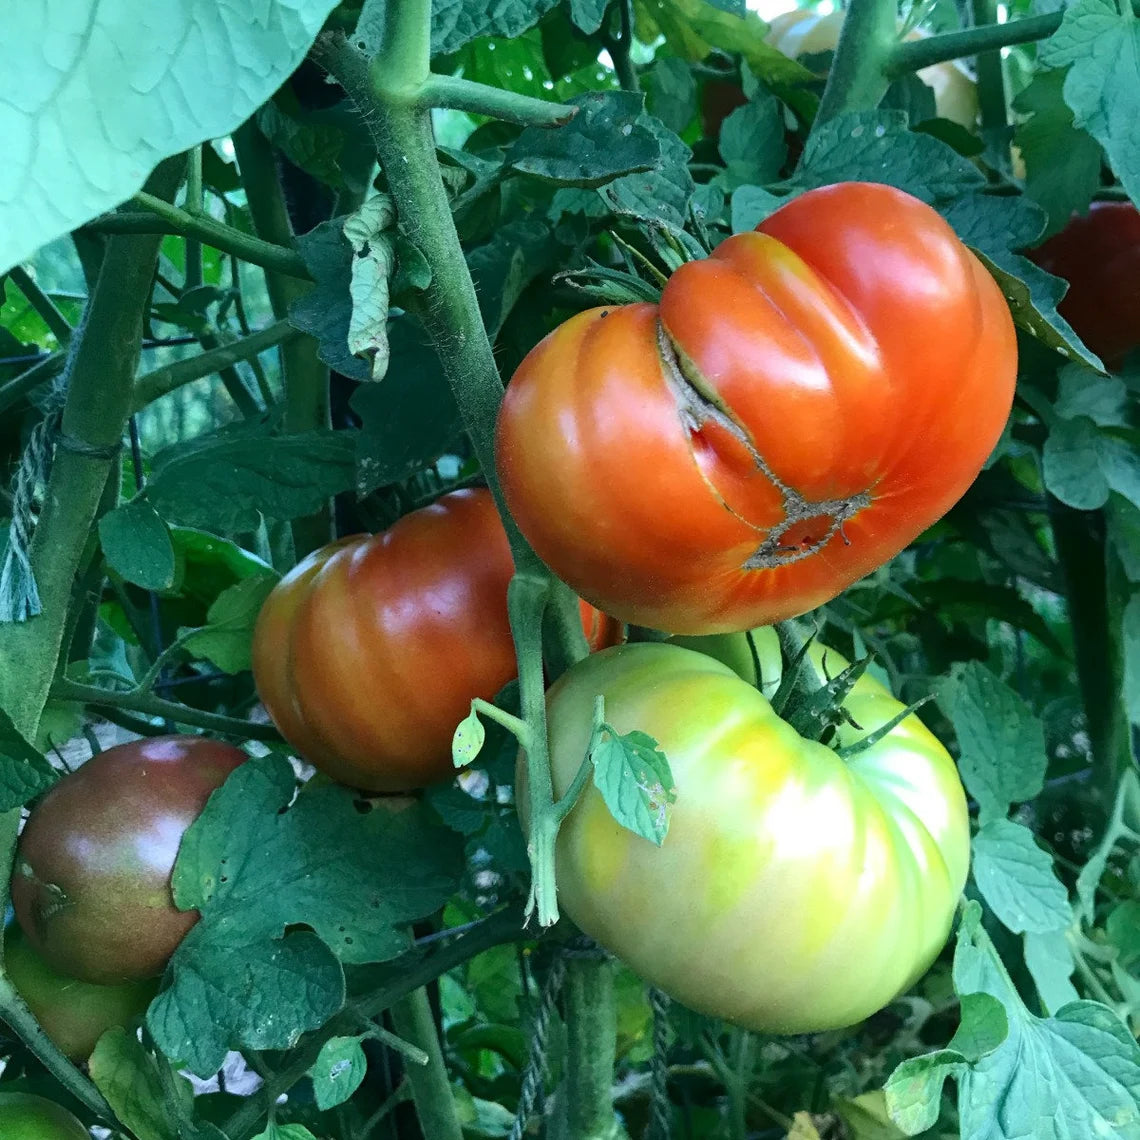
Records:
x=160, y=217
x=1095, y=619
x=480, y=99
x=306, y=376
x=387, y=93
x=586, y=1098
x=620, y=48
x=162, y=381
x=858, y=76
x=435, y=1105
x=914, y=55
x=102, y=370
x=991, y=80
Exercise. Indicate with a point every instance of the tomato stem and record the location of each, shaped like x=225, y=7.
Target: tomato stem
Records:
x=585, y=1100
x=858, y=78
x=413, y=1021
x=481, y=99
x=512, y=724
x=565, y=805
x=914, y=55
x=991, y=81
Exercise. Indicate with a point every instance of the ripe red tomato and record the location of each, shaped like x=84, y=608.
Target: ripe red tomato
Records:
x=91, y=886
x=73, y=1014
x=795, y=891
x=1099, y=256
x=24, y=1117
x=800, y=406
x=368, y=653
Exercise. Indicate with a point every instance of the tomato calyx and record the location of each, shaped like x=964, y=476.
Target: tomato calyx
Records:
x=807, y=525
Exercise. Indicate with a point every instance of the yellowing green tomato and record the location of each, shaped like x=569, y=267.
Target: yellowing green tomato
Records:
x=73, y=1014
x=795, y=891
x=24, y=1117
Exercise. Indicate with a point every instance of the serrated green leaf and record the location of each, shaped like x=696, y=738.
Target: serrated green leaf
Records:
x=1017, y=879
x=671, y=92
x=993, y=228
x=502, y=268
x=914, y=1089
x=982, y=1026
x=1070, y=464
x=128, y=1077
x=633, y=775
x=338, y=1071
x=1050, y=961
x=227, y=482
x=751, y=205
x=137, y=546
x=255, y=864
x=602, y=141
x=587, y=14
x=1002, y=743
x=227, y=640
x=127, y=90
x=461, y=812
x=1084, y=392
x=1062, y=163
x=752, y=143
x=662, y=195
x=875, y=146
x=24, y=773
x=456, y=22
x=1102, y=86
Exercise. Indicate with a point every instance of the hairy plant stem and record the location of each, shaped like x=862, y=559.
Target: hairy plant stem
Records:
x=431, y=1091
x=65, y=690
x=159, y=217
x=480, y=99
x=914, y=55
x=306, y=375
x=389, y=94
x=858, y=76
x=585, y=1101
x=162, y=381
x=102, y=364
x=991, y=81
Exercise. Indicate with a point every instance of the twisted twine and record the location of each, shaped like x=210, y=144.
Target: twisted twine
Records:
x=659, y=1071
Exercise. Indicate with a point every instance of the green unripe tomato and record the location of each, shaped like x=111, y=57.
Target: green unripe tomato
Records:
x=795, y=891
x=73, y=1014
x=24, y=1117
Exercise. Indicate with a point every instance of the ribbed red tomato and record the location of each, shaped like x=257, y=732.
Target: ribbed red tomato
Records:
x=801, y=405
x=91, y=886
x=369, y=652
x=1099, y=256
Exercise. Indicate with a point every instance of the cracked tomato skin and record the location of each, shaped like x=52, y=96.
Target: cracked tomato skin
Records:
x=1099, y=256
x=91, y=886
x=799, y=406
x=795, y=891
x=368, y=653
x=26, y=1117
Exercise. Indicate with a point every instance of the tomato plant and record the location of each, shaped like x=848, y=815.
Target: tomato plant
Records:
x=73, y=1014
x=369, y=652
x=91, y=885
x=796, y=891
x=661, y=433
x=1099, y=255
x=24, y=1117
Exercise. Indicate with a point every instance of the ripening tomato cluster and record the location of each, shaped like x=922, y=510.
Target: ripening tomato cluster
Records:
x=797, y=408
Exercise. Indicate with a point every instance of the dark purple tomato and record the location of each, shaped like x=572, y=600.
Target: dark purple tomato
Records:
x=91, y=886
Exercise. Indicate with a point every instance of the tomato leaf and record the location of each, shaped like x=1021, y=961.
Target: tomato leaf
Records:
x=662, y=195
x=24, y=773
x=194, y=75
x=275, y=1131
x=1049, y=958
x=1062, y=162
x=633, y=775
x=503, y=267
x=1002, y=743
x=587, y=14
x=1017, y=879
x=338, y=1071
x=752, y=143
x=127, y=1075
x=1103, y=84
x=455, y=22
x=258, y=861
x=468, y=739
x=227, y=640
x=852, y=145
x=603, y=140
x=1070, y=464
x=993, y=228
x=226, y=481
x=136, y=543
x=914, y=1090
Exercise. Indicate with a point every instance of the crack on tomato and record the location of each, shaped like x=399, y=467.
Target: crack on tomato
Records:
x=698, y=405
x=51, y=898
